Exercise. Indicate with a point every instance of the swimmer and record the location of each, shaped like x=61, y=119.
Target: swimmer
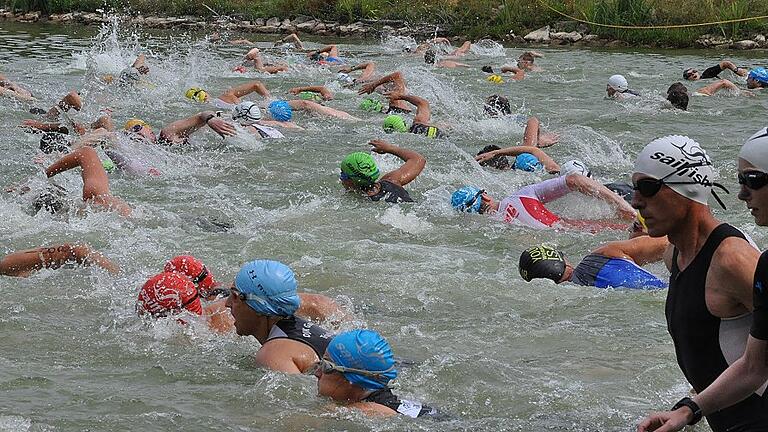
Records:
x=254, y=57
x=231, y=97
x=328, y=54
x=526, y=59
x=248, y=115
x=12, y=90
x=24, y=263
x=430, y=57
x=421, y=121
x=692, y=74
x=527, y=158
x=518, y=74
x=360, y=173
x=496, y=106
x=291, y=40
x=323, y=92
x=178, y=132
x=677, y=95
x=757, y=78
x=130, y=75
x=95, y=181
x=438, y=42
x=263, y=302
x=368, y=68
x=393, y=82
x=357, y=370
x=526, y=205
x=618, y=88
x=615, y=264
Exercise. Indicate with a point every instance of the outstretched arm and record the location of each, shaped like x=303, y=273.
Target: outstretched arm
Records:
x=717, y=86
x=463, y=49
x=324, y=92
x=292, y=38
x=23, y=263
x=642, y=250
x=549, y=164
x=589, y=187
x=235, y=93
x=727, y=64
x=413, y=166
x=95, y=180
x=423, y=111
x=394, y=77
x=309, y=106
x=179, y=130
x=519, y=74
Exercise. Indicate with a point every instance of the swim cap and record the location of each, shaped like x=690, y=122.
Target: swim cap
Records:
x=527, y=162
x=371, y=104
x=684, y=159
x=618, y=83
x=133, y=122
x=496, y=105
x=365, y=350
x=54, y=142
x=542, y=262
x=344, y=78
x=430, y=56
x=394, y=123
x=487, y=69
x=194, y=269
x=246, y=113
x=759, y=74
x=52, y=199
x=310, y=96
x=468, y=199
x=575, y=166
x=280, y=110
x=270, y=287
x=498, y=161
x=495, y=79
x=755, y=150
x=166, y=293
x=108, y=165
x=196, y=94
x=360, y=168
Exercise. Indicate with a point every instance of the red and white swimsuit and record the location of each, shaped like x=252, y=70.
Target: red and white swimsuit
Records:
x=526, y=206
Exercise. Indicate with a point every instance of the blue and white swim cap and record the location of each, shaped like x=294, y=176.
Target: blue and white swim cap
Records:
x=468, y=199
x=759, y=74
x=280, y=110
x=365, y=350
x=527, y=162
x=270, y=287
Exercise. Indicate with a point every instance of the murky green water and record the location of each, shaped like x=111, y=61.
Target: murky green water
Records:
x=495, y=352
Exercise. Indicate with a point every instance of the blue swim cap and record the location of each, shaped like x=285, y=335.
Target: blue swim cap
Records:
x=270, y=287
x=365, y=350
x=759, y=74
x=527, y=162
x=280, y=110
x=468, y=199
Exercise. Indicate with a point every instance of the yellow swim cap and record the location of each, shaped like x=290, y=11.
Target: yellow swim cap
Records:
x=197, y=94
x=130, y=124
x=495, y=79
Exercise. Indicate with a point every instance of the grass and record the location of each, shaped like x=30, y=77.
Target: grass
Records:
x=470, y=18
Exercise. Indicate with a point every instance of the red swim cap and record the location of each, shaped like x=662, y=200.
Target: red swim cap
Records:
x=168, y=293
x=194, y=269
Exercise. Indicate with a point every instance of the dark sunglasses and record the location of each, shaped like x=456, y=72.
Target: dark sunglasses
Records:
x=137, y=128
x=327, y=366
x=201, y=277
x=753, y=179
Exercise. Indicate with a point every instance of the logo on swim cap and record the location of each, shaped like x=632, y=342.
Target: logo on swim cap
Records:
x=755, y=150
x=269, y=287
x=468, y=199
x=394, y=123
x=365, y=350
x=246, y=113
x=168, y=293
x=281, y=111
x=575, y=167
x=542, y=262
x=527, y=162
x=360, y=168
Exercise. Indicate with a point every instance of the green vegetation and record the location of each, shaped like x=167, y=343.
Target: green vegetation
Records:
x=470, y=18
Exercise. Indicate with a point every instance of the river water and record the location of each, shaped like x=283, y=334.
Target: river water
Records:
x=494, y=352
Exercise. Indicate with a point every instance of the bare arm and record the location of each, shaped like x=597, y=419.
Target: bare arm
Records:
x=95, y=180
x=717, y=86
x=549, y=164
x=423, y=112
x=589, y=187
x=318, y=307
x=413, y=166
x=22, y=263
x=232, y=95
x=324, y=92
x=395, y=77
x=642, y=250
x=462, y=50
x=181, y=129
x=519, y=74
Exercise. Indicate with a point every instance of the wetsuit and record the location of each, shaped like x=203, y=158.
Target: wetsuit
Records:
x=527, y=204
x=301, y=330
x=266, y=131
x=429, y=131
x=711, y=72
x=604, y=272
x=760, y=300
x=391, y=193
x=705, y=344
x=410, y=408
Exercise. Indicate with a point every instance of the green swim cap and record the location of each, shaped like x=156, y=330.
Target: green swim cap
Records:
x=310, y=96
x=108, y=165
x=394, y=123
x=360, y=168
x=371, y=104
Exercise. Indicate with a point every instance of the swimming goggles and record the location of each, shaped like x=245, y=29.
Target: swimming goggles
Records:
x=327, y=366
x=471, y=203
x=648, y=187
x=753, y=179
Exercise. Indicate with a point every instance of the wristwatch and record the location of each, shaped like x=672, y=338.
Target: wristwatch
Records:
x=688, y=402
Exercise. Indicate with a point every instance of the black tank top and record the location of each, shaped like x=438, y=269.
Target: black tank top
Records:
x=392, y=193
x=760, y=299
x=301, y=330
x=696, y=334
x=411, y=409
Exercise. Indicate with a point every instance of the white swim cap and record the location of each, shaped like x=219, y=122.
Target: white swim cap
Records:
x=344, y=78
x=575, y=166
x=246, y=113
x=682, y=164
x=755, y=150
x=618, y=83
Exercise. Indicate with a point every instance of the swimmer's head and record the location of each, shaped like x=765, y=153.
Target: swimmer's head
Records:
x=360, y=169
x=430, y=57
x=527, y=162
x=52, y=199
x=54, y=142
x=280, y=110
x=195, y=270
x=394, y=123
x=196, y=94
x=691, y=74
x=268, y=287
x=755, y=150
x=617, y=83
x=366, y=351
x=757, y=78
x=246, y=113
x=678, y=99
x=371, y=104
x=140, y=127
x=468, y=199
x=345, y=79
x=527, y=57
x=496, y=106
x=168, y=294
x=108, y=165
x=129, y=76
x=487, y=69
x=542, y=262
x=498, y=162
x=575, y=166
x=496, y=79
x=310, y=96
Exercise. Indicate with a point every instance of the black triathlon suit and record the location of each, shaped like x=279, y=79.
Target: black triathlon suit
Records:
x=429, y=131
x=404, y=407
x=301, y=330
x=760, y=300
x=711, y=72
x=391, y=193
x=702, y=340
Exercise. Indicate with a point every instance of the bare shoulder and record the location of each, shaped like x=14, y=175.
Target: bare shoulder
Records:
x=373, y=409
x=286, y=355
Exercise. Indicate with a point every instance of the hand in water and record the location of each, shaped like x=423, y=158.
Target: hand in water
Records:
x=380, y=146
x=668, y=421
x=221, y=127
x=240, y=69
x=546, y=139
x=367, y=88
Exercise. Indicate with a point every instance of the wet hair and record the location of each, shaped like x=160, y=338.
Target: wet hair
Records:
x=487, y=69
x=677, y=95
x=526, y=56
x=430, y=56
x=315, y=57
x=496, y=106
x=52, y=200
x=498, y=162
x=54, y=142
x=678, y=86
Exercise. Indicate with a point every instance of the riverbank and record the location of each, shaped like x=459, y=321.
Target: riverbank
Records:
x=534, y=23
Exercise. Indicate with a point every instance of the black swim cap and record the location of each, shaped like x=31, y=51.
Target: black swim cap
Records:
x=51, y=200
x=487, y=69
x=54, y=142
x=430, y=56
x=498, y=162
x=496, y=106
x=542, y=262
x=623, y=190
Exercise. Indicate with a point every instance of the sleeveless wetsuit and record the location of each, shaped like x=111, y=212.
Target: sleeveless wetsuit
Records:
x=526, y=206
x=760, y=300
x=706, y=345
x=266, y=131
x=301, y=330
x=603, y=272
x=391, y=193
x=429, y=131
x=410, y=408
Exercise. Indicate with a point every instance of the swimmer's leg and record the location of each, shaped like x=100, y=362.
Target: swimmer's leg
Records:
x=95, y=179
x=315, y=107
